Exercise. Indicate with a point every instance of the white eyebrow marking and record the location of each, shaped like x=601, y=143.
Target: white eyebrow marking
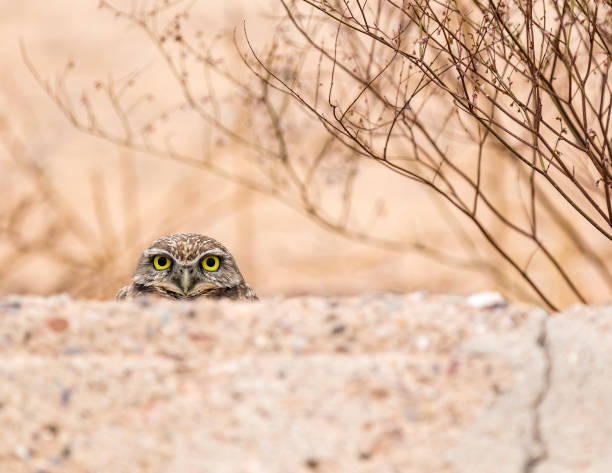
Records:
x=212, y=251
x=158, y=251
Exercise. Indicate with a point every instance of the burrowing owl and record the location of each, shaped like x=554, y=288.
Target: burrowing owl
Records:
x=186, y=266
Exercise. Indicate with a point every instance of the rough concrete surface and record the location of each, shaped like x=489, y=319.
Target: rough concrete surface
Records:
x=380, y=383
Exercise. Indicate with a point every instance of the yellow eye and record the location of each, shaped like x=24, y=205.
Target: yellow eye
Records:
x=211, y=263
x=161, y=262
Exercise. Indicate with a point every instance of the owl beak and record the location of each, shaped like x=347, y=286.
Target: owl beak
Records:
x=186, y=281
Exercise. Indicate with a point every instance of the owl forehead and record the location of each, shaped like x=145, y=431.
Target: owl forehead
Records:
x=186, y=246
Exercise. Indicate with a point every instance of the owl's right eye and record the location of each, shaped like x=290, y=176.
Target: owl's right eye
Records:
x=161, y=262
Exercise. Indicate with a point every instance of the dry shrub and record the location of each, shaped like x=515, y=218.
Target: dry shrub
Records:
x=526, y=84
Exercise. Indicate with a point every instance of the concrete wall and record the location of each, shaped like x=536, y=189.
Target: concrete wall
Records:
x=380, y=383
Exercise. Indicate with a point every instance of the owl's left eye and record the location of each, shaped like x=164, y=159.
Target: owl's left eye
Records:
x=211, y=263
x=161, y=262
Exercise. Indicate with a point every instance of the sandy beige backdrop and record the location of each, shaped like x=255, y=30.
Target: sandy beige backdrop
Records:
x=279, y=251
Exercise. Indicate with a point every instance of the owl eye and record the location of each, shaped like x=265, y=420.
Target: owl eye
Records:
x=211, y=263
x=161, y=262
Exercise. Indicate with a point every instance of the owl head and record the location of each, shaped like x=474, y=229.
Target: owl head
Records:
x=186, y=266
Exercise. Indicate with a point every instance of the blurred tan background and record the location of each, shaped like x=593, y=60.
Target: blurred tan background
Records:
x=77, y=210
